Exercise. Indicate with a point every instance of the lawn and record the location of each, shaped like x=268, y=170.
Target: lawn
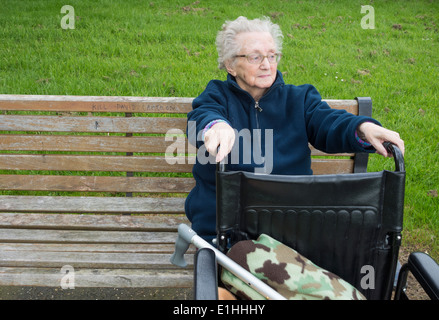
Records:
x=167, y=48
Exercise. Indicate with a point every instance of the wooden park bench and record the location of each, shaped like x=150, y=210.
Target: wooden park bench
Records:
x=91, y=200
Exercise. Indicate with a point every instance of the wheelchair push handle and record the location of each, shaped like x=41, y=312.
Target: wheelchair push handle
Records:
x=390, y=147
x=397, y=155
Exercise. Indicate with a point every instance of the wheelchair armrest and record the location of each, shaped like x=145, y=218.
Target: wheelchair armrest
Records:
x=426, y=271
x=205, y=275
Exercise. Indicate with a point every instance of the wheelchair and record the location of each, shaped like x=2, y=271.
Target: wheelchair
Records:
x=341, y=222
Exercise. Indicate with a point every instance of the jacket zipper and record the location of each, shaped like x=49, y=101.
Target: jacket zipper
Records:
x=258, y=131
x=259, y=109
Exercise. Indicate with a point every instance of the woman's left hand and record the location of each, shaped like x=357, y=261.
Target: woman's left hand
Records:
x=376, y=135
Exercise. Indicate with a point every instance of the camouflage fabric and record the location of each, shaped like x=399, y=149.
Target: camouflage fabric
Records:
x=286, y=271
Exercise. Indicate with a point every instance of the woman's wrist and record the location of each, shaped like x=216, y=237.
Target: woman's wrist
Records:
x=210, y=125
x=360, y=137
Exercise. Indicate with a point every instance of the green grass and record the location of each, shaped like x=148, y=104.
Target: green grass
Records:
x=166, y=48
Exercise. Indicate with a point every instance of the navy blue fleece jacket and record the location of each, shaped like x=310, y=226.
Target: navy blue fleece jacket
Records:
x=276, y=129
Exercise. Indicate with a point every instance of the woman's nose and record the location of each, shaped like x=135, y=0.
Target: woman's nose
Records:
x=264, y=63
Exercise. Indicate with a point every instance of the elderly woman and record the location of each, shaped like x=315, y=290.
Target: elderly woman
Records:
x=279, y=119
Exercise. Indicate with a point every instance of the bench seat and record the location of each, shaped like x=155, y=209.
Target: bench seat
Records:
x=104, y=251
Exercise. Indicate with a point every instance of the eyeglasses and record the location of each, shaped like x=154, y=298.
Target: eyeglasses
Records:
x=256, y=58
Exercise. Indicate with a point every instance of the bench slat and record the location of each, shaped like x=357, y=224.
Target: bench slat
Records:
x=58, y=162
x=119, y=104
x=332, y=166
x=115, y=205
x=135, y=184
x=143, y=144
x=85, y=259
x=348, y=105
x=87, y=247
x=84, y=236
x=152, y=222
x=92, y=278
x=148, y=144
x=96, y=183
x=95, y=104
x=91, y=124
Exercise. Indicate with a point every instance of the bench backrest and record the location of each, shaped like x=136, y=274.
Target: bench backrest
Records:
x=108, y=154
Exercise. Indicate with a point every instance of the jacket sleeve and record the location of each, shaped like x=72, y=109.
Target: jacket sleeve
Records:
x=332, y=130
x=208, y=106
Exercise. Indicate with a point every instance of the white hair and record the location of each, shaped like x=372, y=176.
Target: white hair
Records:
x=226, y=43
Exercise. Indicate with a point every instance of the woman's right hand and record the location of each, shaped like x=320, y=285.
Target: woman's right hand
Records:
x=219, y=135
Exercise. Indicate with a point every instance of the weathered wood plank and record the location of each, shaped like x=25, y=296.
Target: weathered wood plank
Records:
x=128, y=184
x=153, y=222
x=113, y=104
x=348, y=105
x=116, y=278
x=123, y=260
x=142, y=144
x=119, y=104
x=96, y=184
x=134, y=184
x=85, y=236
x=95, y=104
x=332, y=166
x=316, y=152
x=116, y=205
x=61, y=162
x=87, y=247
x=91, y=124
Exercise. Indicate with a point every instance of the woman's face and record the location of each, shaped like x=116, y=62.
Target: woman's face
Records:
x=254, y=78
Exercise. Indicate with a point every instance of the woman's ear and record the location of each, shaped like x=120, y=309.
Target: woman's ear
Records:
x=230, y=69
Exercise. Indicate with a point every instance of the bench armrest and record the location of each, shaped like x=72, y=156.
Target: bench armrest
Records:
x=426, y=271
x=205, y=275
